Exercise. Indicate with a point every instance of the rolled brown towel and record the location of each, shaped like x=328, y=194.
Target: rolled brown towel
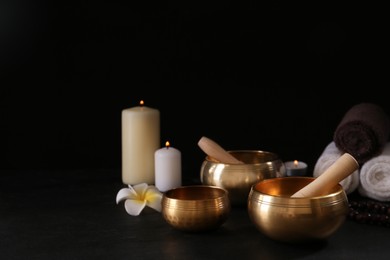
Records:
x=363, y=131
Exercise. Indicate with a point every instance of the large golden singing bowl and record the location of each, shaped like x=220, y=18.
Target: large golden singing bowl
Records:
x=196, y=208
x=237, y=179
x=295, y=220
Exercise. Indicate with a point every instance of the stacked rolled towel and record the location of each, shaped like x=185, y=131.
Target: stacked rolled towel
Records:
x=363, y=131
x=330, y=154
x=375, y=177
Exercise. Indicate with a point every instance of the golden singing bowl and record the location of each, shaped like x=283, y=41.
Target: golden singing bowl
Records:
x=237, y=179
x=295, y=220
x=196, y=208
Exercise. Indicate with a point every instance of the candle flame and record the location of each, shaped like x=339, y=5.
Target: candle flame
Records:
x=295, y=163
x=141, y=103
x=167, y=144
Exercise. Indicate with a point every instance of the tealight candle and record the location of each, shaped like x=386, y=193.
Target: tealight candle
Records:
x=295, y=168
x=140, y=139
x=167, y=168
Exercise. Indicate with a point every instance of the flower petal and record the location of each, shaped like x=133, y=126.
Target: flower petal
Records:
x=132, y=190
x=154, y=202
x=154, y=188
x=134, y=207
x=140, y=189
x=125, y=193
x=153, y=198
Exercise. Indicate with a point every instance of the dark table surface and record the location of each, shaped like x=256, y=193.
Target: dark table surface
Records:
x=74, y=215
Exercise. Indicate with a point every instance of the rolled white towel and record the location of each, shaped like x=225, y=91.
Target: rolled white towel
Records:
x=330, y=154
x=375, y=176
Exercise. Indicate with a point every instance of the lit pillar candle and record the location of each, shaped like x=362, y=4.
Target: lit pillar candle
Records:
x=295, y=168
x=140, y=139
x=167, y=168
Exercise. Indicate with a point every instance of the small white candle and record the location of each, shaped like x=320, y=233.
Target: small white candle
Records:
x=167, y=168
x=140, y=139
x=295, y=168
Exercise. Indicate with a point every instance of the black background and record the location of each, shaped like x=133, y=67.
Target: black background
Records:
x=270, y=76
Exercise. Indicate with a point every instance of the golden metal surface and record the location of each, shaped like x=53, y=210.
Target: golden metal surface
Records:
x=196, y=208
x=287, y=219
x=237, y=179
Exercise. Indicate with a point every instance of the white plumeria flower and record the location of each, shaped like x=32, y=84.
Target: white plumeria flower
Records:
x=138, y=196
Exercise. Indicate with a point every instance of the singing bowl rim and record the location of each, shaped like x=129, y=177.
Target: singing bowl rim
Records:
x=182, y=193
x=267, y=155
x=257, y=187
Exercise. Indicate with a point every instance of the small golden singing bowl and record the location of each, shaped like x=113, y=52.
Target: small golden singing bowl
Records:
x=295, y=220
x=196, y=208
x=237, y=179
